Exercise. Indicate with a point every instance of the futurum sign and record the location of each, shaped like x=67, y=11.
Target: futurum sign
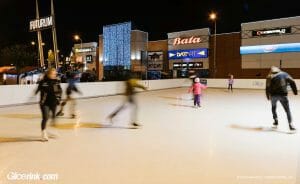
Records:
x=188, y=54
x=42, y=23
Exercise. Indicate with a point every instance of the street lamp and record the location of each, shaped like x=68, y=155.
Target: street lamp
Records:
x=213, y=17
x=77, y=37
x=32, y=43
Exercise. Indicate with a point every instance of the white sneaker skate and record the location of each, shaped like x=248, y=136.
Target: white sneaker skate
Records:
x=44, y=136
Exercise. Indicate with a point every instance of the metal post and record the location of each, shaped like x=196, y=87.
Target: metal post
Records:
x=39, y=35
x=56, y=59
x=83, y=60
x=215, y=50
x=280, y=64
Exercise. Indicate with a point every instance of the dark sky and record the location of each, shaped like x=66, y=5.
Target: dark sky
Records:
x=86, y=17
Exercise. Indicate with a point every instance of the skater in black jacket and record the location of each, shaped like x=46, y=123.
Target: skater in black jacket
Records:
x=50, y=90
x=276, y=90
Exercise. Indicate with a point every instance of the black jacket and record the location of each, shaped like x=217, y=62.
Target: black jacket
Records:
x=278, y=82
x=50, y=90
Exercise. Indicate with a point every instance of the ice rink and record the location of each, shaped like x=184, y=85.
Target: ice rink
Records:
x=226, y=141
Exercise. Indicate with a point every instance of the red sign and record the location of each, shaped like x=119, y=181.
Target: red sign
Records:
x=183, y=41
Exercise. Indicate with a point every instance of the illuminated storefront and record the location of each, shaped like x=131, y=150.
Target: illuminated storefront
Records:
x=85, y=55
x=271, y=42
x=188, y=52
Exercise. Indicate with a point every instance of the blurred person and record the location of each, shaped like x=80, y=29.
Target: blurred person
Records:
x=73, y=78
x=276, y=90
x=230, y=82
x=196, y=89
x=130, y=92
x=50, y=91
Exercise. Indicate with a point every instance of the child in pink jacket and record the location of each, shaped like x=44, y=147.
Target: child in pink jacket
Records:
x=196, y=88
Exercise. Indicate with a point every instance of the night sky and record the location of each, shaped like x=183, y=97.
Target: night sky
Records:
x=87, y=17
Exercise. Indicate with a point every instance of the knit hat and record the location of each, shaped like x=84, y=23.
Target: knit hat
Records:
x=275, y=69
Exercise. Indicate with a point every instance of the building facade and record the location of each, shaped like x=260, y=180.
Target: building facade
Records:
x=122, y=56
x=188, y=52
x=85, y=54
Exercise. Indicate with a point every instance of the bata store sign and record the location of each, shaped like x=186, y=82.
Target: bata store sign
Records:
x=184, y=41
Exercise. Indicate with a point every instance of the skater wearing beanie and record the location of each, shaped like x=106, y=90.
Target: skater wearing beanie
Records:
x=276, y=90
x=196, y=89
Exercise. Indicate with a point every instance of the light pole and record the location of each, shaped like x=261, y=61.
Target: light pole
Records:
x=77, y=37
x=213, y=17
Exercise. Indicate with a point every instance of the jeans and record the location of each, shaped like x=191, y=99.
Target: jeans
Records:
x=284, y=102
x=230, y=87
x=197, y=100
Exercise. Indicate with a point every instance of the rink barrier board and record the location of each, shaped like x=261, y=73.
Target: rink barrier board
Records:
x=12, y=95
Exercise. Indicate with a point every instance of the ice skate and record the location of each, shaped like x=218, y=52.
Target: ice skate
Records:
x=275, y=124
x=44, y=136
x=134, y=124
x=110, y=119
x=60, y=113
x=292, y=128
x=73, y=116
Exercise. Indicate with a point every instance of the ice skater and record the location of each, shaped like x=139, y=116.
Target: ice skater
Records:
x=131, y=85
x=72, y=87
x=50, y=90
x=276, y=90
x=230, y=82
x=196, y=89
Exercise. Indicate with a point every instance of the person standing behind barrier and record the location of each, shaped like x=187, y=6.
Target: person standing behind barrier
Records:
x=196, y=89
x=131, y=84
x=50, y=90
x=276, y=90
x=230, y=82
x=72, y=80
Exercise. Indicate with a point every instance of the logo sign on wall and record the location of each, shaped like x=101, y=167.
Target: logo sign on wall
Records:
x=155, y=56
x=277, y=48
x=83, y=50
x=42, y=23
x=89, y=58
x=276, y=31
x=184, y=41
x=188, y=54
x=155, y=60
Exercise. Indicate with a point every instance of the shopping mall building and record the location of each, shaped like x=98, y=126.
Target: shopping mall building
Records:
x=246, y=54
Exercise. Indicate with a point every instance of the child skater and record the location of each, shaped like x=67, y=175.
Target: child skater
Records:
x=196, y=88
x=230, y=82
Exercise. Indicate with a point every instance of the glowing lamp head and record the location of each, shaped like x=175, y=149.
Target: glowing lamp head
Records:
x=76, y=37
x=213, y=16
